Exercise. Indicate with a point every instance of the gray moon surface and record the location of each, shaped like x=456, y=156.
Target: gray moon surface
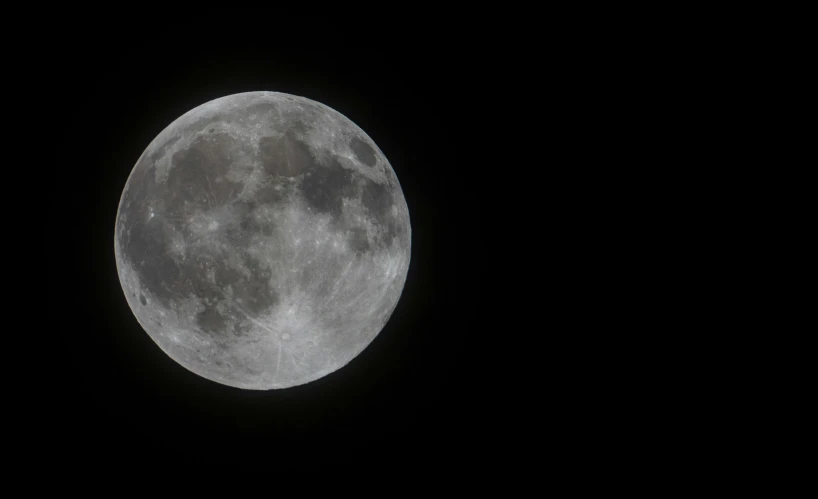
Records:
x=262, y=240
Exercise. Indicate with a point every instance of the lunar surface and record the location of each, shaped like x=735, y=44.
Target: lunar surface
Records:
x=262, y=240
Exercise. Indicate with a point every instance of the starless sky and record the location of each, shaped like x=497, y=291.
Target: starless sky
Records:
x=430, y=99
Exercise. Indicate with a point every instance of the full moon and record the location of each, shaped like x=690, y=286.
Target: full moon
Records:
x=262, y=240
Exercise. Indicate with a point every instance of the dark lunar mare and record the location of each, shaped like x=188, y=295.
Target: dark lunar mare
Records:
x=197, y=181
x=363, y=152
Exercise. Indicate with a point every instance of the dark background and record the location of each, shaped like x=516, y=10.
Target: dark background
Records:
x=432, y=97
x=558, y=170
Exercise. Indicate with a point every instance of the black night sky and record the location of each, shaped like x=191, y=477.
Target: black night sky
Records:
x=539, y=160
x=430, y=98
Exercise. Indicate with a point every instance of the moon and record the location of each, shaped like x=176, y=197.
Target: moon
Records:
x=262, y=240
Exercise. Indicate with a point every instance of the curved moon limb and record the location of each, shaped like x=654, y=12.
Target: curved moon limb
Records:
x=262, y=240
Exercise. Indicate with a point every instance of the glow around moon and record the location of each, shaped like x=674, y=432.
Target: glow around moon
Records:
x=262, y=240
